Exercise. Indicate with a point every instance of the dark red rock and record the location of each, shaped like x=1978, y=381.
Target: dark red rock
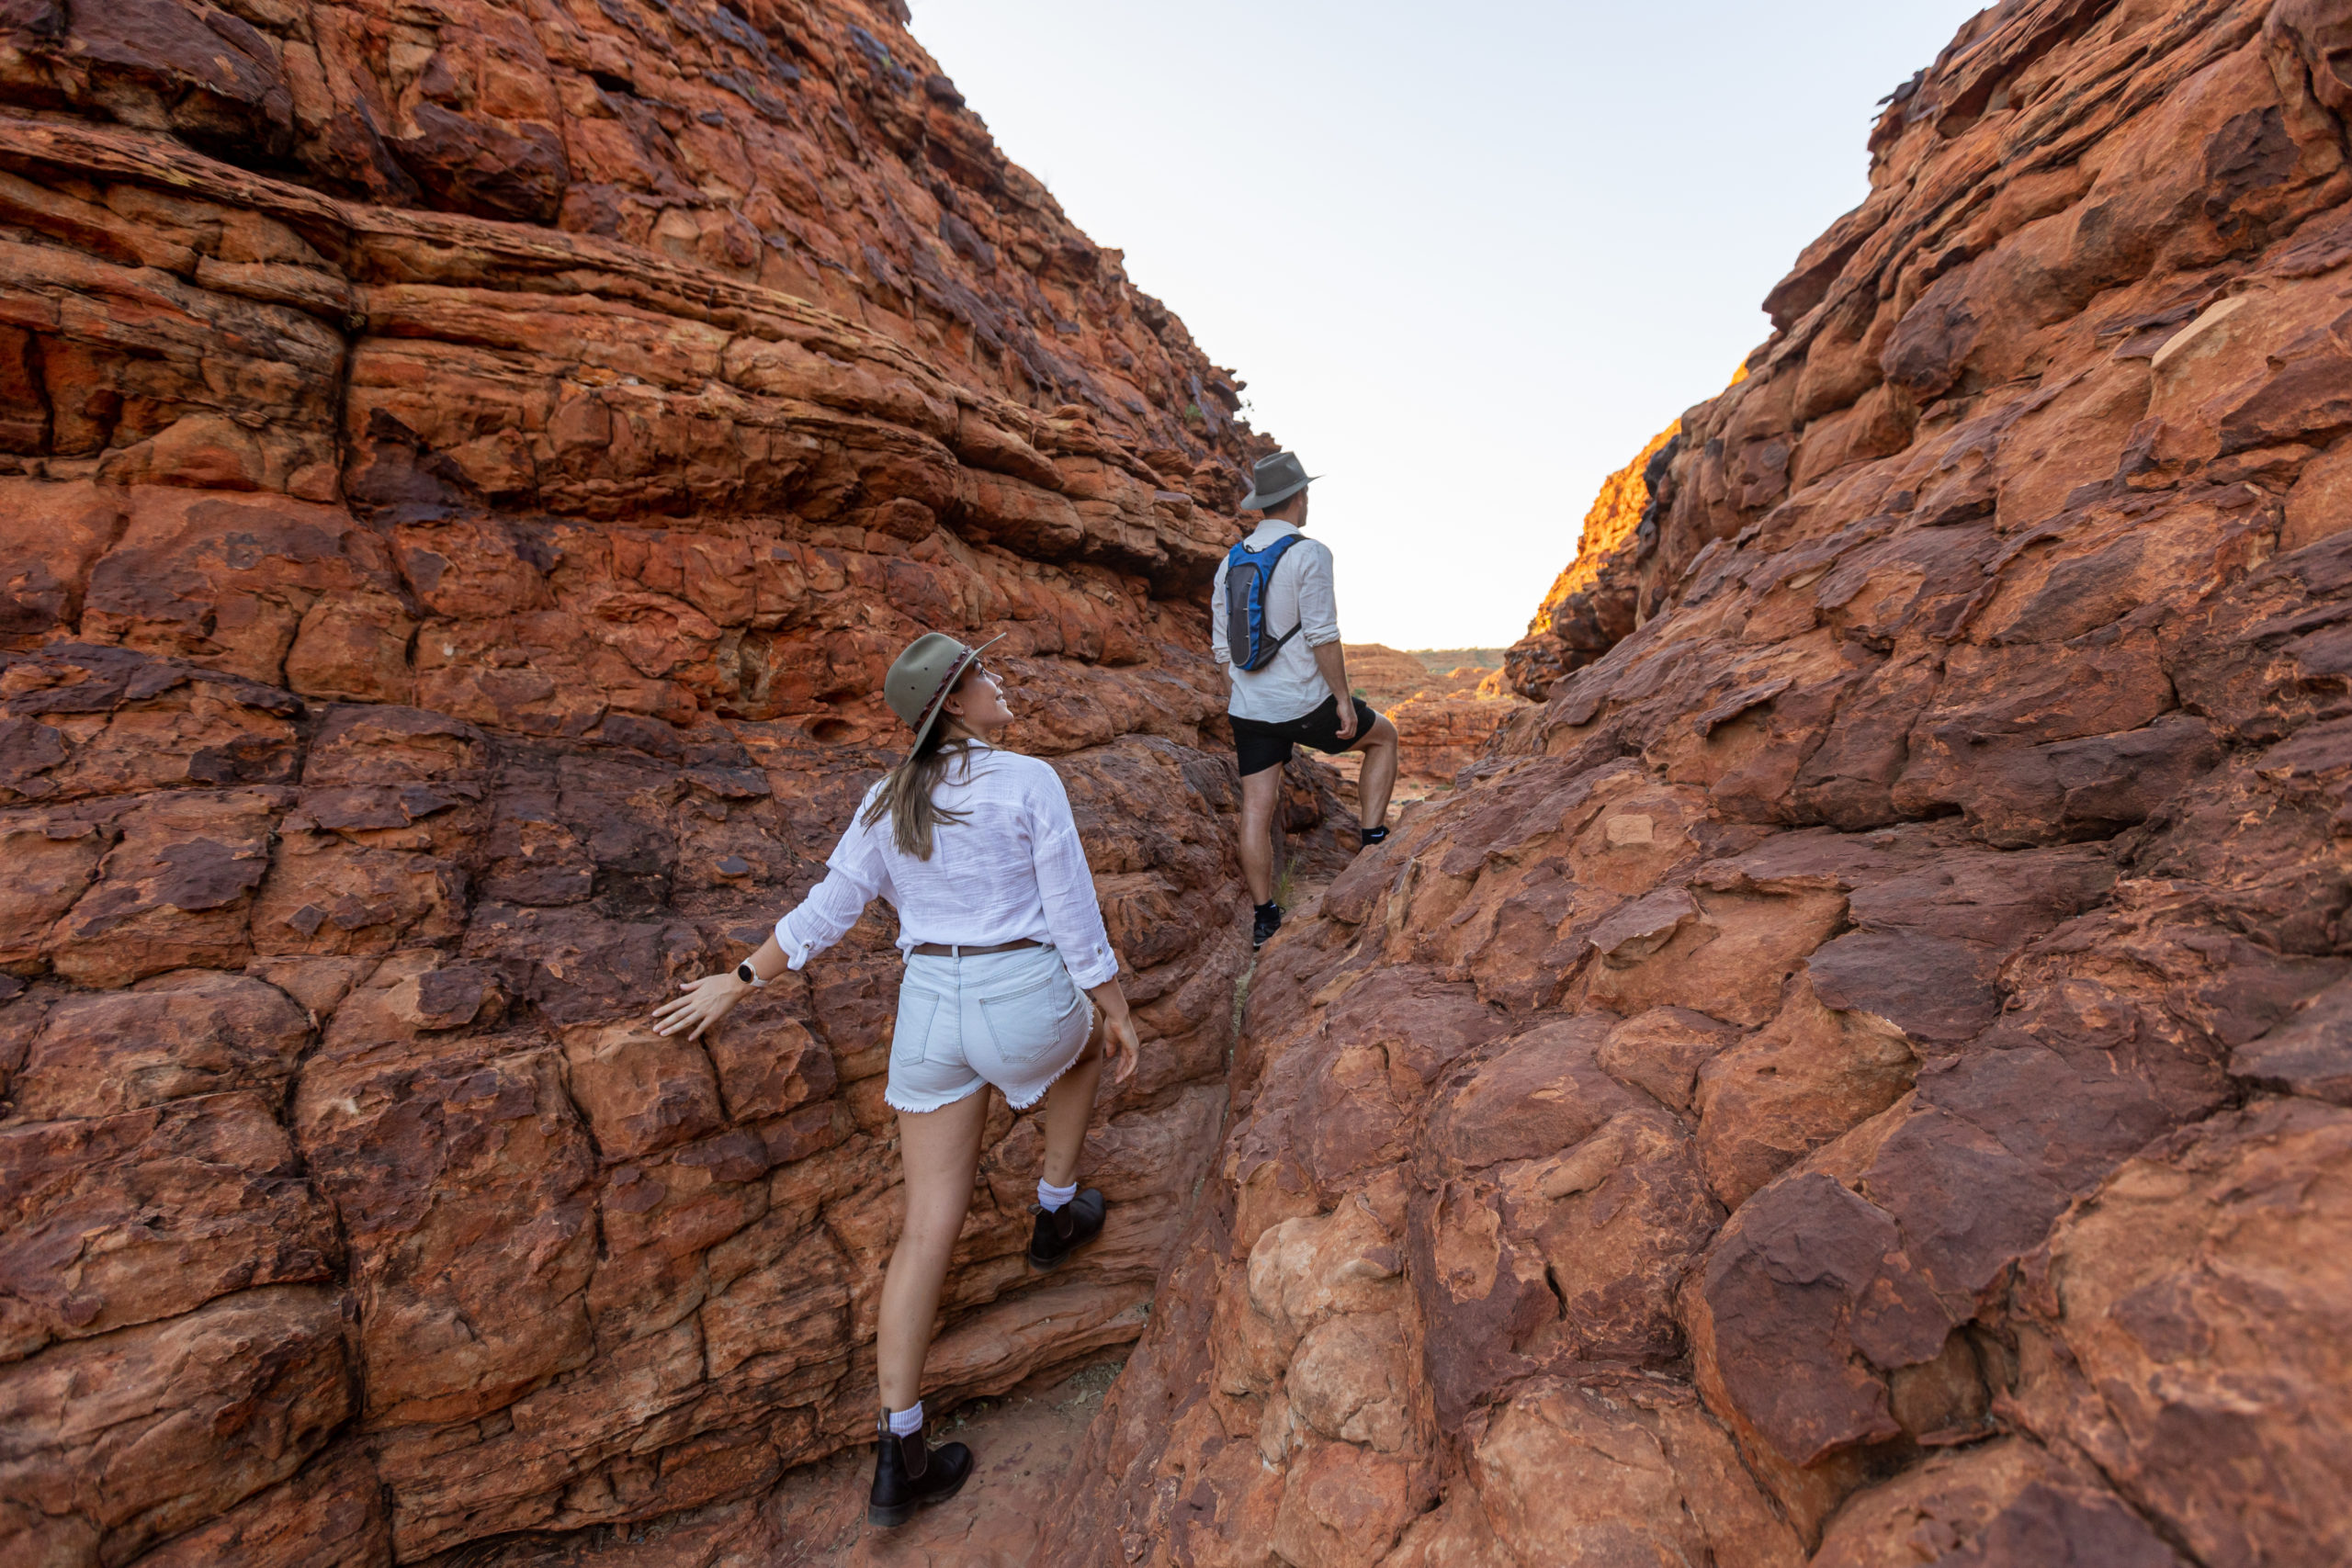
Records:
x=135, y=1217
x=200, y=1032
x=2310, y=1053
x=1882, y=917
x=447, y=573
x=115, y=1444
x=2203, y=1270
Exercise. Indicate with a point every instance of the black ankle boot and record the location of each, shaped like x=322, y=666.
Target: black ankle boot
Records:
x=909, y=1474
x=1064, y=1230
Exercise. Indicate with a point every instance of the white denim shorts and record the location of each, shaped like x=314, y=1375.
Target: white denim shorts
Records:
x=1015, y=1020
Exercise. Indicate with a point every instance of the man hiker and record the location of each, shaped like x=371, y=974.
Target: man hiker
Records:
x=1276, y=629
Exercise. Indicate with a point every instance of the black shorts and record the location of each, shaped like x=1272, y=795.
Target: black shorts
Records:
x=1262, y=746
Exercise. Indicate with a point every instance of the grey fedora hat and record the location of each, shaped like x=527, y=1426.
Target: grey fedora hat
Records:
x=921, y=678
x=1275, y=479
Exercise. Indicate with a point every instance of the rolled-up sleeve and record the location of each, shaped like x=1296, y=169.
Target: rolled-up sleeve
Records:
x=1319, y=604
x=1065, y=886
x=1218, y=649
x=853, y=874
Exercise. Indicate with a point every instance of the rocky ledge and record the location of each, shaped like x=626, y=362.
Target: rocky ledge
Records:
x=463, y=470
x=1864, y=1074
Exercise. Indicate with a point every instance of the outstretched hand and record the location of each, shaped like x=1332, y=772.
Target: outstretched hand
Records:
x=703, y=1003
x=1121, y=1049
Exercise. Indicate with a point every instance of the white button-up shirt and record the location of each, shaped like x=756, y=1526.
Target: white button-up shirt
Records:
x=1300, y=595
x=1013, y=868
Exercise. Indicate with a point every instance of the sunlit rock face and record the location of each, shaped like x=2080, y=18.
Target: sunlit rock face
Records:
x=1865, y=1076
x=1590, y=604
x=467, y=468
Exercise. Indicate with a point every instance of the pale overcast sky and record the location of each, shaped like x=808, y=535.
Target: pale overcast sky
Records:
x=1468, y=261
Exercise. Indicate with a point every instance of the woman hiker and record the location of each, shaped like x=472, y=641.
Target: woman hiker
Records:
x=1010, y=980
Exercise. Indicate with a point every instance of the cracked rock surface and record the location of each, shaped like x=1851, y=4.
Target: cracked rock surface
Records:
x=463, y=468
x=1859, y=1075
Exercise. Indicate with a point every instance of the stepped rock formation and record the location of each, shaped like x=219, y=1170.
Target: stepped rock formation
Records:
x=464, y=468
x=1864, y=1075
x=1444, y=718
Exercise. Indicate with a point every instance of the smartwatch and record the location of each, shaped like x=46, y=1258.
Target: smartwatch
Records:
x=748, y=976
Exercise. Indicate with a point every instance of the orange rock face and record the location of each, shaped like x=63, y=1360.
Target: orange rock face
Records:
x=1589, y=607
x=1863, y=1077
x=463, y=472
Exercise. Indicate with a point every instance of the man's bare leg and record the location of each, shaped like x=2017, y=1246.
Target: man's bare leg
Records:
x=1261, y=793
x=1377, y=779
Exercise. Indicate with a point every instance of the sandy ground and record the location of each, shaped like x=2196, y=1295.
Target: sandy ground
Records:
x=1023, y=1446
x=1023, y=1449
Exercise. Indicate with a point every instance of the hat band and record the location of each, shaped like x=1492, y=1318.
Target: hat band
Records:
x=962, y=662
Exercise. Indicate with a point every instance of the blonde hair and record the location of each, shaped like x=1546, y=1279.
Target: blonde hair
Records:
x=906, y=789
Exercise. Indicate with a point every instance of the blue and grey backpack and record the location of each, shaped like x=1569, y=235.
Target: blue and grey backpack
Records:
x=1248, y=574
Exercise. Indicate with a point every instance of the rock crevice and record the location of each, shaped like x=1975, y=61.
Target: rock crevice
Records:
x=1856, y=1076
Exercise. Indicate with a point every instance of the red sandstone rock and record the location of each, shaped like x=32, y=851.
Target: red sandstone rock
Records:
x=462, y=479
x=1444, y=719
x=1865, y=1056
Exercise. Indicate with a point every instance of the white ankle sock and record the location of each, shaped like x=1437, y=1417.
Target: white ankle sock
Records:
x=1052, y=1198
x=908, y=1422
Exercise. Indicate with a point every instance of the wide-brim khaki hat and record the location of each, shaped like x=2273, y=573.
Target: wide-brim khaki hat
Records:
x=1275, y=479
x=921, y=678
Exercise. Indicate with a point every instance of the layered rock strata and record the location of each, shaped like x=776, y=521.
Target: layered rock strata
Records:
x=1444, y=718
x=1863, y=1076
x=463, y=468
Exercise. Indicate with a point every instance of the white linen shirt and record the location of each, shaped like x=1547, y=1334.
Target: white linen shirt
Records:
x=1300, y=595
x=1013, y=868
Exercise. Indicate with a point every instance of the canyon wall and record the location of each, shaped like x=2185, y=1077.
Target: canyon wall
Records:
x=465, y=466
x=1863, y=1075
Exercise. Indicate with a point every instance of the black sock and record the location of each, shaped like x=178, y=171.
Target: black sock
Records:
x=1375, y=835
x=1270, y=907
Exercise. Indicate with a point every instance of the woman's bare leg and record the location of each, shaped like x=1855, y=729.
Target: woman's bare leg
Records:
x=1069, y=1106
x=942, y=1153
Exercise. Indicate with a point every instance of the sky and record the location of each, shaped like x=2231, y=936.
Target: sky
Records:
x=1469, y=261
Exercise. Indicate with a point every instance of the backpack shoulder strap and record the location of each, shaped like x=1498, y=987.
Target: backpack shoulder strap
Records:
x=1281, y=547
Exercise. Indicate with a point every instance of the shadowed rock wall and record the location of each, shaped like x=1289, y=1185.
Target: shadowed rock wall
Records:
x=1862, y=1076
x=463, y=468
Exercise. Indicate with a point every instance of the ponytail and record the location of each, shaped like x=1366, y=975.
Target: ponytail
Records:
x=906, y=789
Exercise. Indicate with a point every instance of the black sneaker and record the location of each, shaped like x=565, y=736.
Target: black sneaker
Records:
x=1268, y=922
x=1064, y=1230
x=909, y=1474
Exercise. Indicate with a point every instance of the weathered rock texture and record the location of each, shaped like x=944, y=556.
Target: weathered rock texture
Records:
x=1444, y=718
x=466, y=466
x=1864, y=1075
